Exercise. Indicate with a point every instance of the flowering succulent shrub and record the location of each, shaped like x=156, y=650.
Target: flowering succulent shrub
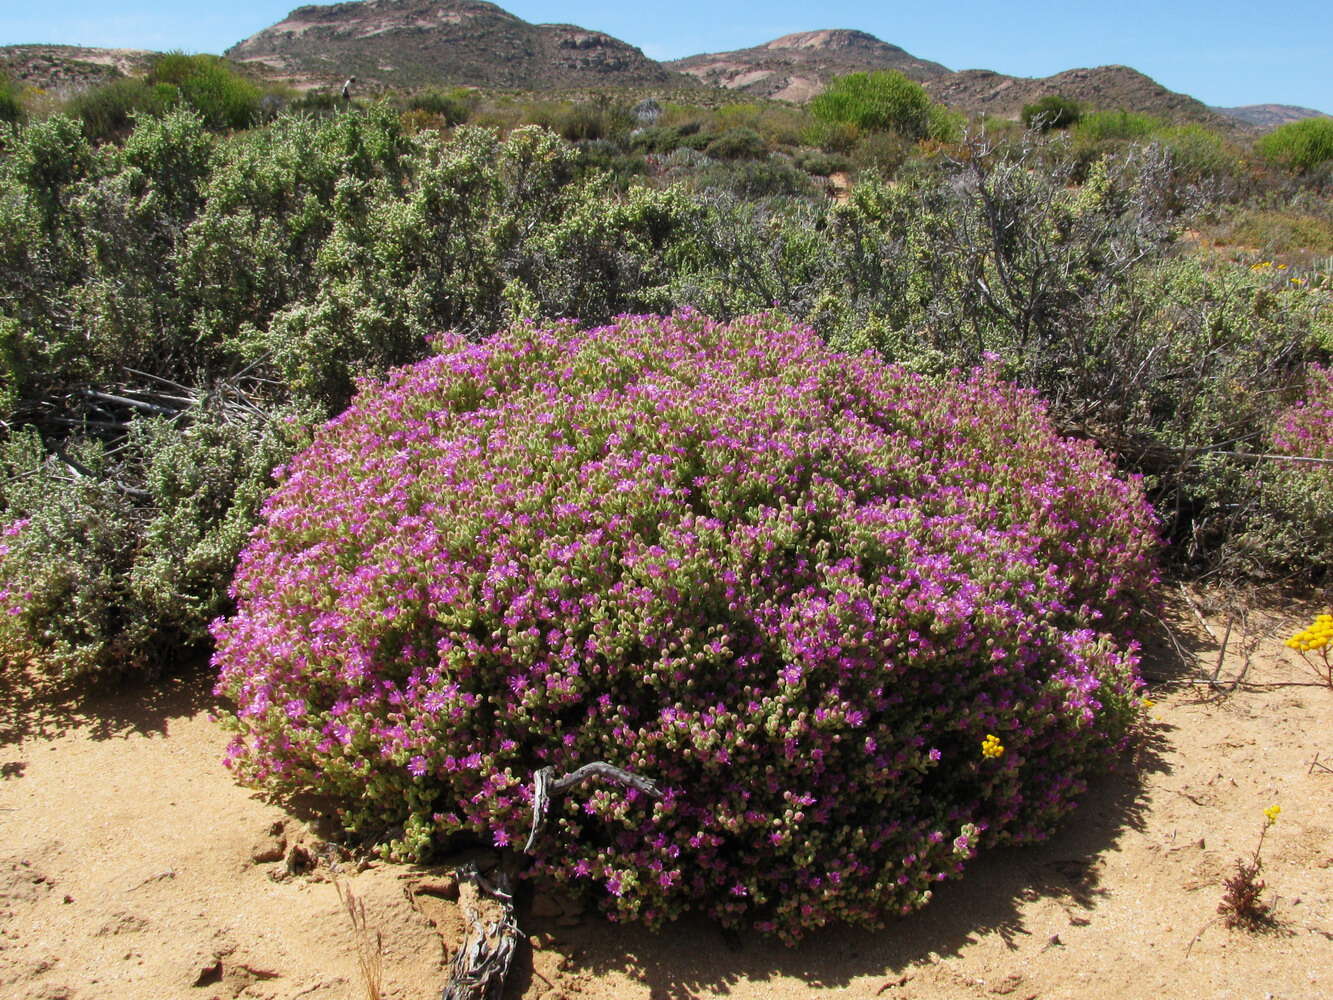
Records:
x=1306, y=428
x=857, y=624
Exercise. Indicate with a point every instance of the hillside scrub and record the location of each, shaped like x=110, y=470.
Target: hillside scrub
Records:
x=273, y=267
x=1300, y=146
x=877, y=102
x=857, y=624
x=11, y=107
x=1054, y=111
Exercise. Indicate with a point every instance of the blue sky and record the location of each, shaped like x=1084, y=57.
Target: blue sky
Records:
x=1223, y=52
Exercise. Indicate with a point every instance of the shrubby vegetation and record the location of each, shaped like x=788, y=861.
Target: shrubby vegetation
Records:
x=884, y=101
x=190, y=297
x=271, y=269
x=723, y=556
x=1302, y=145
x=1301, y=492
x=11, y=109
x=313, y=251
x=1051, y=112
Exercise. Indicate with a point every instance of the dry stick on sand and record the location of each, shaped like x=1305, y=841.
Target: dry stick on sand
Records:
x=481, y=965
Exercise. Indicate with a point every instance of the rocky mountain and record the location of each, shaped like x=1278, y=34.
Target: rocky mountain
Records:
x=797, y=67
x=407, y=43
x=67, y=69
x=1105, y=88
x=1269, y=116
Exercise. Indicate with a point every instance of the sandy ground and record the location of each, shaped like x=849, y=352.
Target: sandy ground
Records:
x=131, y=867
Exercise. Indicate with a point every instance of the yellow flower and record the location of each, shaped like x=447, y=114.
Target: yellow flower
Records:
x=992, y=747
x=1318, y=635
x=1271, y=813
x=1148, y=703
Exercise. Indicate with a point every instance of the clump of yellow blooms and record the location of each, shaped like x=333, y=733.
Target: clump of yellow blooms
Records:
x=992, y=747
x=1271, y=814
x=1317, y=636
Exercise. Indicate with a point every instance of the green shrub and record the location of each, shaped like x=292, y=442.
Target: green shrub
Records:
x=206, y=481
x=883, y=152
x=43, y=161
x=1199, y=153
x=1300, y=146
x=943, y=125
x=64, y=565
x=224, y=98
x=750, y=180
x=821, y=164
x=453, y=106
x=108, y=111
x=1102, y=126
x=1281, y=231
x=1051, y=112
x=880, y=101
x=737, y=144
x=1295, y=526
x=319, y=103
x=833, y=137
x=114, y=566
x=11, y=107
x=666, y=138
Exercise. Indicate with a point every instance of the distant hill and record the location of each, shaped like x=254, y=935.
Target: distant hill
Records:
x=67, y=69
x=797, y=67
x=1269, y=116
x=408, y=43
x=1105, y=88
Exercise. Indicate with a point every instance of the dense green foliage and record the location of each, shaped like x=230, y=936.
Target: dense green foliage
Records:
x=108, y=112
x=304, y=255
x=211, y=86
x=1301, y=145
x=274, y=266
x=884, y=102
x=11, y=109
x=1101, y=125
x=453, y=106
x=1051, y=112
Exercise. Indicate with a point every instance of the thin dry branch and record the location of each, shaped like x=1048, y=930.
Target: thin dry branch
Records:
x=545, y=785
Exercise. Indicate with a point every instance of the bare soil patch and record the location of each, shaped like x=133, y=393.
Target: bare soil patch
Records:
x=132, y=867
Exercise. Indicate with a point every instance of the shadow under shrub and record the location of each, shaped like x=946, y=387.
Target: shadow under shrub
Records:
x=798, y=588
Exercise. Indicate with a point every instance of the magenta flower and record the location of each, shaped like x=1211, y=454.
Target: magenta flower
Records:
x=797, y=588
